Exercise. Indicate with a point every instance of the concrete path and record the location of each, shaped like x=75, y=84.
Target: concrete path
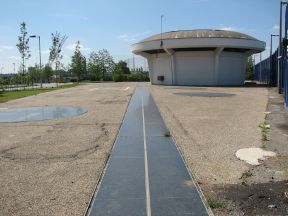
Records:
x=145, y=174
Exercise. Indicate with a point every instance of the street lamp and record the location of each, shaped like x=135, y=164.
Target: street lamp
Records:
x=280, y=71
x=35, y=36
x=161, y=43
x=271, y=61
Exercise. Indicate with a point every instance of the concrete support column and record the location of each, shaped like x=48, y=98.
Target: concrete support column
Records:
x=216, y=63
x=149, y=61
x=171, y=52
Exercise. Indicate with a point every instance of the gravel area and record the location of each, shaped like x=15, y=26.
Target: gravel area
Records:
x=52, y=167
x=210, y=124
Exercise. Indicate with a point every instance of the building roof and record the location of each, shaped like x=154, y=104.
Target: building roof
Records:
x=201, y=33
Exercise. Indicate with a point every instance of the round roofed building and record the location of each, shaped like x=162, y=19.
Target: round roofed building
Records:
x=198, y=57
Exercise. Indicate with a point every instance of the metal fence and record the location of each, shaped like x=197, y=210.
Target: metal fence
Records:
x=263, y=74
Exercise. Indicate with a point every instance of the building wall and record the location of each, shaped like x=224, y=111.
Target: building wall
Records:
x=198, y=68
x=232, y=67
x=161, y=66
x=194, y=68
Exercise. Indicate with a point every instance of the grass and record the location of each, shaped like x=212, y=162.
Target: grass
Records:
x=12, y=95
x=215, y=203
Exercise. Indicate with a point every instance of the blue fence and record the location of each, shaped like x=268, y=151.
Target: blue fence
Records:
x=285, y=83
x=262, y=73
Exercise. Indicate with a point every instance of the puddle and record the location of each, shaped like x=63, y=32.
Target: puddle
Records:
x=253, y=155
x=205, y=94
x=38, y=113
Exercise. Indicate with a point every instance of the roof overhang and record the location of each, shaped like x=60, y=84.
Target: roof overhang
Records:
x=254, y=46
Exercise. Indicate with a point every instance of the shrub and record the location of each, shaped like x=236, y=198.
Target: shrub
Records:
x=130, y=77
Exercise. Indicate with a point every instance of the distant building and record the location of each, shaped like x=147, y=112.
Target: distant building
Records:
x=198, y=57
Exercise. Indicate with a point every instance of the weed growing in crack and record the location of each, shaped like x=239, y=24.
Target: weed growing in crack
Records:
x=215, y=203
x=244, y=177
x=264, y=131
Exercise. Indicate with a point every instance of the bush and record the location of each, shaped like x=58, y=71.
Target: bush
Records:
x=108, y=78
x=130, y=77
x=249, y=75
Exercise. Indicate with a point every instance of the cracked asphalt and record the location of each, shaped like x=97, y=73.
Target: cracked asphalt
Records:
x=52, y=167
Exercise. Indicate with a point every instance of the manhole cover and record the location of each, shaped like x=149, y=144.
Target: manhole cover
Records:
x=38, y=113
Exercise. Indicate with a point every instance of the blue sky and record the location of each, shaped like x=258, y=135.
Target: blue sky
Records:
x=115, y=25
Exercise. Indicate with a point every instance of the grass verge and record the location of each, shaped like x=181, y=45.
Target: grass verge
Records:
x=12, y=95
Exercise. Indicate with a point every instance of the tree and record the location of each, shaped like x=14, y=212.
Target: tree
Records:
x=101, y=64
x=23, y=45
x=122, y=67
x=249, y=69
x=78, y=65
x=33, y=75
x=55, y=50
x=106, y=62
x=94, y=66
x=47, y=73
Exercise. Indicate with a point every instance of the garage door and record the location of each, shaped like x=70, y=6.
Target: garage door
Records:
x=194, y=68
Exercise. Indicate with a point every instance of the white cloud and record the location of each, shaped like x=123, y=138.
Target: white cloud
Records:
x=134, y=37
x=14, y=57
x=73, y=46
x=127, y=37
x=5, y=47
x=276, y=27
x=228, y=28
x=231, y=28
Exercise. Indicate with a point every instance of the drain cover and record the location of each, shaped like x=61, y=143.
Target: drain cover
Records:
x=38, y=113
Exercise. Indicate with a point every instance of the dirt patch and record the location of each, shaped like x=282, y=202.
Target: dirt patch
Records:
x=256, y=199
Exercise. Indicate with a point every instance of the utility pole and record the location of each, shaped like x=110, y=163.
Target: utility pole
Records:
x=40, y=65
x=14, y=67
x=280, y=50
x=161, y=43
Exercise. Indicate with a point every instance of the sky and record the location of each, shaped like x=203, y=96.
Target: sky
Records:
x=115, y=25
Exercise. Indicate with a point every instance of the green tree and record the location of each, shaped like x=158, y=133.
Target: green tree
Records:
x=23, y=45
x=101, y=64
x=94, y=66
x=249, y=69
x=33, y=75
x=47, y=73
x=106, y=62
x=78, y=65
x=122, y=67
x=55, y=50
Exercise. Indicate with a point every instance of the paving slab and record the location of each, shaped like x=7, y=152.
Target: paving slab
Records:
x=145, y=174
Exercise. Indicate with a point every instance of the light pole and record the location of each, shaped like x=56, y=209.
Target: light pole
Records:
x=161, y=44
x=279, y=81
x=40, y=65
x=271, y=61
